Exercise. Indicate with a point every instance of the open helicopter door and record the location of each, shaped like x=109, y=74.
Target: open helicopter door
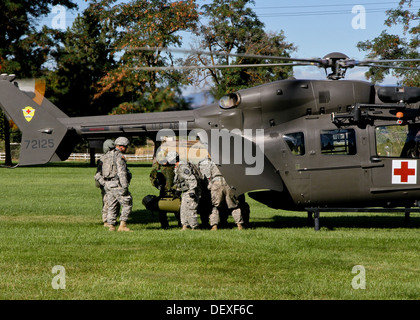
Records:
x=241, y=160
x=396, y=153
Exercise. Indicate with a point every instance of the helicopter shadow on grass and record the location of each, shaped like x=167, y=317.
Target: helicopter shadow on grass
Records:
x=339, y=221
x=146, y=217
x=151, y=219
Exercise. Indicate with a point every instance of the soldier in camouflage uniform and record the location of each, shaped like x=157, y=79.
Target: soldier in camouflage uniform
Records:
x=222, y=193
x=117, y=179
x=100, y=182
x=205, y=204
x=162, y=177
x=187, y=180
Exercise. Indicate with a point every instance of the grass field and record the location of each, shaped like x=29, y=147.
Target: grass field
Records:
x=51, y=216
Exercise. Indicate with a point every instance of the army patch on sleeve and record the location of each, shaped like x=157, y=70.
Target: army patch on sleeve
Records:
x=187, y=172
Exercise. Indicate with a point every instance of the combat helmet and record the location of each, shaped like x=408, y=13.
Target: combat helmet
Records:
x=172, y=157
x=108, y=145
x=122, y=141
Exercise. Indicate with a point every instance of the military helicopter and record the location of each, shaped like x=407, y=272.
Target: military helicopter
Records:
x=295, y=144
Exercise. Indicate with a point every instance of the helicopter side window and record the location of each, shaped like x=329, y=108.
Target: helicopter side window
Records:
x=295, y=142
x=398, y=141
x=338, y=142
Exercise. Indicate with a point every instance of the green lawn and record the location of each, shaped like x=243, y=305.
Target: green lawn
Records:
x=51, y=216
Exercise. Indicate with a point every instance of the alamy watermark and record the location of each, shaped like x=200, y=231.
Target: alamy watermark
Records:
x=226, y=146
x=359, y=280
x=359, y=20
x=59, y=19
x=59, y=281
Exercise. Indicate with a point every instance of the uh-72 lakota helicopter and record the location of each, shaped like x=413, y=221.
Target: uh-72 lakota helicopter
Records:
x=304, y=145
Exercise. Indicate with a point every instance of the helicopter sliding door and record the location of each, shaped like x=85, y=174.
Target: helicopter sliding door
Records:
x=337, y=176
x=397, y=155
x=320, y=163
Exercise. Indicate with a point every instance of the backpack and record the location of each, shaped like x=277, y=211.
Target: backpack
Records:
x=109, y=166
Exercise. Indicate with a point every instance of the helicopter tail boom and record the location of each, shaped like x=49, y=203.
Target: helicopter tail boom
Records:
x=44, y=137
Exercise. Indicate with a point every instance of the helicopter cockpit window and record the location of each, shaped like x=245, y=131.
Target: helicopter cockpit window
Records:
x=398, y=141
x=338, y=142
x=295, y=142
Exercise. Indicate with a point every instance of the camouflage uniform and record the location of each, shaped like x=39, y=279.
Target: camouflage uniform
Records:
x=100, y=182
x=187, y=181
x=222, y=193
x=205, y=205
x=162, y=178
x=116, y=188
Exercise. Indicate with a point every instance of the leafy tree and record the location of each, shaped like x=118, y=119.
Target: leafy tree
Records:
x=23, y=49
x=142, y=23
x=391, y=46
x=83, y=57
x=233, y=27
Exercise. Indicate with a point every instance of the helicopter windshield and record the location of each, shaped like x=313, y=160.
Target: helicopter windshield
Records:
x=398, y=141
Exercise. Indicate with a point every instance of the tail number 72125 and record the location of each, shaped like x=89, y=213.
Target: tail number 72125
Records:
x=39, y=143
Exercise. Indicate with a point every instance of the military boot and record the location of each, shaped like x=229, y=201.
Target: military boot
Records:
x=123, y=227
x=214, y=227
x=111, y=227
x=240, y=227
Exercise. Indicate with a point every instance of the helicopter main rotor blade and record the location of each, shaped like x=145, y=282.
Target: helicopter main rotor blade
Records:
x=220, y=66
x=337, y=61
x=392, y=67
x=350, y=63
x=388, y=61
x=219, y=53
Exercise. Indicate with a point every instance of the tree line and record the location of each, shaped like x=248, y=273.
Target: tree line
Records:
x=92, y=67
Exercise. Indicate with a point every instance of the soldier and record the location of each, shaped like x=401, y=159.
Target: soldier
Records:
x=187, y=180
x=222, y=193
x=117, y=178
x=100, y=182
x=162, y=178
x=205, y=204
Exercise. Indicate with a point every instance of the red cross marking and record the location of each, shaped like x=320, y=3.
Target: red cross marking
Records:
x=404, y=172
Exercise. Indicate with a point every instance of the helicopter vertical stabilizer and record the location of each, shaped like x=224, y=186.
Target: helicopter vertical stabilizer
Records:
x=44, y=137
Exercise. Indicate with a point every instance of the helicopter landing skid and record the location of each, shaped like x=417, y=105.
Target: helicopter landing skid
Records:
x=316, y=213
